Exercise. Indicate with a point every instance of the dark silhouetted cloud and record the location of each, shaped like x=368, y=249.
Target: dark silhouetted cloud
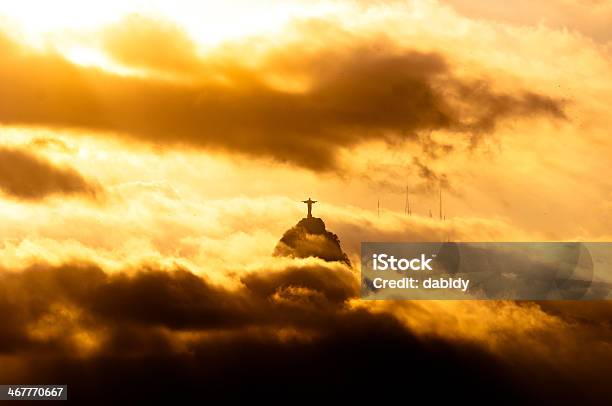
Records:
x=29, y=177
x=290, y=330
x=366, y=90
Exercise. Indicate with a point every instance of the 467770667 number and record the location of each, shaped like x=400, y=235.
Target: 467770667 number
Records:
x=32, y=392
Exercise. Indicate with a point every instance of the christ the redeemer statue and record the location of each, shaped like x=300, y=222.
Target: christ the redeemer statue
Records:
x=309, y=202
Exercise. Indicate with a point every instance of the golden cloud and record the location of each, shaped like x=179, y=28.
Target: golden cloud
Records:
x=364, y=90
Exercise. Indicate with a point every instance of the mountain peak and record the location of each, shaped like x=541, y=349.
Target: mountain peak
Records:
x=310, y=238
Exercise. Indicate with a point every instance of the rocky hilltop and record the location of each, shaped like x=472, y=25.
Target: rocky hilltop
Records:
x=309, y=238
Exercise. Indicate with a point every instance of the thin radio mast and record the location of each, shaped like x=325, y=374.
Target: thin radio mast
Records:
x=440, y=202
x=407, y=209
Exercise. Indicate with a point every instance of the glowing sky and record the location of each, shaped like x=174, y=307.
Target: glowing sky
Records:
x=187, y=133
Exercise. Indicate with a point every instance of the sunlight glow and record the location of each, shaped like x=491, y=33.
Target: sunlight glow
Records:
x=208, y=22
